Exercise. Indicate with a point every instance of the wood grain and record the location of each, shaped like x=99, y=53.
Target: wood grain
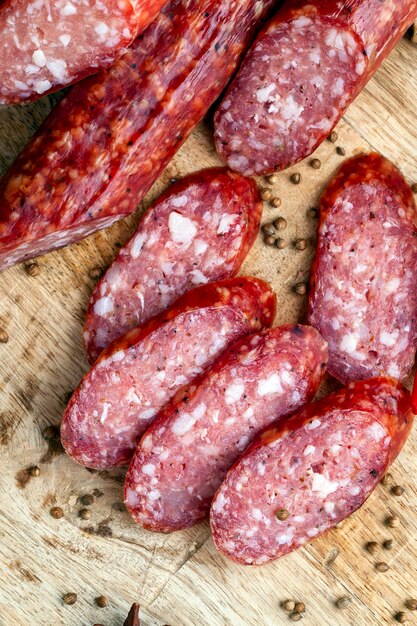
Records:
x=179, y=579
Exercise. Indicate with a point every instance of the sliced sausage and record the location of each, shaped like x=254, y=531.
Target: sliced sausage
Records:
x=304, y=475
x=184, y=455
x=199, y=231
x=363, y=296
x=300, y=75
x=106, y=143
x=137, y=374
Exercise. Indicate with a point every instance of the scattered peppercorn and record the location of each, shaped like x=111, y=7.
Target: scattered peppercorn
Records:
x=95, y=272
x=414, y=187
x=401, y=617
x=295, y=617
x=56, y=512
x=372, y=547
x=300, y=289
x=388, y=543
x=343, y=602
x=70, y=598
x=102, y=601
x=4, y=336
x=313, y=212
x=299, y=607
x=392, y=521
x=84, y=513
x=269, y=240
x=282, y=514
x=266, y=194
x=34, y=471
x=386, y=479
x=280, y=243
x=288, y=605
x=300, y=244
x=118, y=506
x=280, y=223
x=268, y=228
x=315, y=164
x=295, y=178
x=397, y=490
x=50, y=432
x=271, y=179
x=340, y=151
x=382, y=567
x=33, y=269
x=333, y=137
x=87, y=499
x=411, y=604
x=275, y=202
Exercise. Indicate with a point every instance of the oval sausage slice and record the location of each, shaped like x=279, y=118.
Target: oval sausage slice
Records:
x=304, y=475
x=137, y=374
x=184, y=455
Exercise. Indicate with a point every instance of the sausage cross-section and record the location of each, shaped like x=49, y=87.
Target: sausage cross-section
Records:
x=363, y=295
x=140, y=372
x=186, y=452
x=199, y=231
x=305, y=474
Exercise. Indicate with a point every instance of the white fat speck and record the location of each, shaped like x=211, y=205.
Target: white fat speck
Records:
x=200, y=246
x=261, y=469
x=360, y=67
x=41, y=86
x=272, y=384
x=392, y=285
x=234, y=392
x=291, y=110
x=335, y=323
x=199, y=411
x=376, y=431
x=39, y=58
x=147, y=414
x=154, y=495
x=132, y=396
x=309, y=450
x=322, y=485
x=103, y=306
x=312, y=532
x=393, y=371
x=315, y=56
x=105, y=411
x=313, y=425
x=137, y=245
x=146, y=443
x=335, y=449
x=58, y=68
x=149, y=469
x=65, y=39
x=69, y=9
x=219, y=503
x=296, y=396
x=198, y=278
x=164, y=455
x=215, y=416
x=179, y=201
x=349, y=343
x=388, y=339
x=287, y=377
x=225, y=223
x=101, y=29
x=287, y=537
x=182, y=229
x=355, y=491
x=183, y=424
x=257, y=514
x=329, y=507
x=248, y=413
x=243, y=442
x=302, y=21
x=338, y=87
x=263, y=94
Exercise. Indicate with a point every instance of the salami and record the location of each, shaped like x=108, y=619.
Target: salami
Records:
x=137, y=374
x=185, y=454
x=302, y=72
x=363, y=296
x=199, y=231
x=304, y=475
x=105, y=144
x=48, y=45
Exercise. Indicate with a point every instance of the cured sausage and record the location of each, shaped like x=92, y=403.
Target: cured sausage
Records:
x=198, y=231
x=137, y=374
x=304, y=475
x=48, y=45
x=105, y=144
x=302, y=72
x=363, y=296
x=185, y=454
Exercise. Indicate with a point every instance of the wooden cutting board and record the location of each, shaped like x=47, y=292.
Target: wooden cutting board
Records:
x=179, y=579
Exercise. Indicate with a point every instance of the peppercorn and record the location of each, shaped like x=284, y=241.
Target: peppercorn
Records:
x=34, y=471
x=87, y=499
x=315, y=164
x=275, y=202
x=411, y=604
x=299, y=607
x=269, y=240
x=300, y=244
x=271, y=178
x=333, y=137
x=386, y=479
x=33, y=269
x=266, y=194
x=392, y=521
x=280, y=223
x=401, y=617
x=295, y=178
x=50, y=432
x=280, y=243
x=56, y=512
x=4, y=336
x=382, y=567
x=312, y=212
x=295, y=617
x=102, y=601
x=388, y=543
x=268, y=228
x=288, y=605
x=414, y=187
x=300, y=289
x=282, y=514
x=84, y=513
x=95, y=273
x=397, y=490
x=343, y=602
x=70, y=598
x=340, y=151
x=372, y=547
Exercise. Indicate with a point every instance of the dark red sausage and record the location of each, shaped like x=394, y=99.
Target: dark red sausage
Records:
x=200, y=230
x=363, y=295
x=184, y=455
x=318, y=467
x=137, y=374
x=48, y=45
x=105, y=144
x=300, y=75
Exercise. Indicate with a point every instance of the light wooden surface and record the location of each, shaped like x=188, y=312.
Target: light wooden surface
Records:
x=179, y=579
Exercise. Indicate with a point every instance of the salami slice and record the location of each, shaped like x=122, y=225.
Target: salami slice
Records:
x=300, y=75
x=136, y=375
x=304, y=475
x=199, y=231
x=48, y=45
x=105, y=144
x=363, y=296
x=183, y=457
